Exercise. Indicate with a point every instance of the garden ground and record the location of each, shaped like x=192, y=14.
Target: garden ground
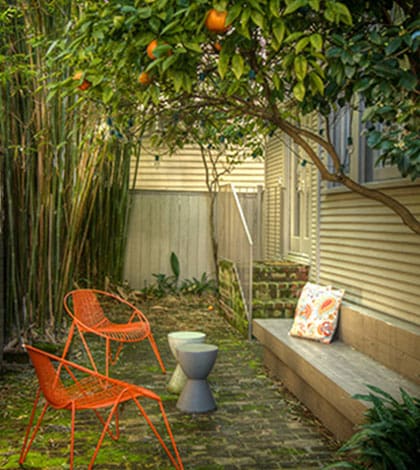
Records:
x=258, y=424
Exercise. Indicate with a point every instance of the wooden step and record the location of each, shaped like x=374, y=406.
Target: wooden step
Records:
x=326, y=376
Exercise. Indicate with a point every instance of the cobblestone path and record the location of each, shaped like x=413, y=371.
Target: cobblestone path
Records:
x=257, y=425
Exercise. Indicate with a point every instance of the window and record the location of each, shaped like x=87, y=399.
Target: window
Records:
x=357, y=159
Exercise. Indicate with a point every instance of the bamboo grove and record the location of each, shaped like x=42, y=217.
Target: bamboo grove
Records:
x=64, y=175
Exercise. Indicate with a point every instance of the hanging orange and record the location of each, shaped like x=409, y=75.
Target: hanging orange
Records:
x=217, y=46
x=151, y=47
x=216, y=21
x=85, y=84
x=144, y=78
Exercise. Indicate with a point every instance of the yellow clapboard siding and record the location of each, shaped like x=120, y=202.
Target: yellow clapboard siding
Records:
x=185, y=171
x=369, y=251
x=408, y=258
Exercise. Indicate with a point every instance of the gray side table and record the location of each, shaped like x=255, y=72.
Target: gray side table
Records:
x=175, y=339
x=196, y=360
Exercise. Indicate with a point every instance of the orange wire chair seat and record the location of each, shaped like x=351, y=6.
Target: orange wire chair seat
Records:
x=91, y=391
x=88, y=314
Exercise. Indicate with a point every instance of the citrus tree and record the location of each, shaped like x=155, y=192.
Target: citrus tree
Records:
x=267, y=61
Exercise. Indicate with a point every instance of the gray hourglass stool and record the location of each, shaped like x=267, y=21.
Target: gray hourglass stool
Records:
x=175, y=339
x=197, y=361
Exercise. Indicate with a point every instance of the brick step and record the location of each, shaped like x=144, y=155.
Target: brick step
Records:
x=274, y=308
x=270, y=290
x=279, y=271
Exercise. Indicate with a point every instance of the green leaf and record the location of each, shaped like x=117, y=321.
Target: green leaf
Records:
x=314, y=4
x=130, y=9
x=258, y=19
x=194, y=46
x=177, y=80
x=238, y=65
x=168, y=62
x=170, y=27
x=175, y=265
x=295, y=5
x=301, y=67
x=408, y=81
x=316, y=41
x=343, y=13
x=374, y=138
x=107, y=95
x=393, y=46
x=276, y=82
x=316, y=82
x=299, y=91
x=223, y=64
x=274, y=6
x=279, y=30
x=246, y=13
x=294, y=36
x=349, y=71
x=233, y=13
x=301, y=44
x=144, y=13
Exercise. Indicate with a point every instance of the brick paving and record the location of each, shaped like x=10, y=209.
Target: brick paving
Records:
x=258, y=424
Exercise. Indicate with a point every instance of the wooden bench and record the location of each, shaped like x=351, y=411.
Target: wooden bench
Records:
x=325, y=377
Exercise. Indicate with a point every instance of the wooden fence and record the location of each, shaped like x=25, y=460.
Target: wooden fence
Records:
x=162, y=222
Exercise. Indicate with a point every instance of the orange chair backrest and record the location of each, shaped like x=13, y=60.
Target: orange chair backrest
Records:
x=87, y=309
x=51, y=385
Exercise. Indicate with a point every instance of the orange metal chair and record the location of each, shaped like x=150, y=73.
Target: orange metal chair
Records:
x=85, y=389
x=86, y=307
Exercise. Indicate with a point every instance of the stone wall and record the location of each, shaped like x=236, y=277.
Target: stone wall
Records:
x=276, y=288
x=231, y=296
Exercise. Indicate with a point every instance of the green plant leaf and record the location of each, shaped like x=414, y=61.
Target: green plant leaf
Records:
x=316, y=41
x=223, y=63
x=238, y=65
x=175, y=265
x=301, y=44
x=279, y=30
x=299, y=91
x=295, y=5
x=317, y=83
x=301, y=67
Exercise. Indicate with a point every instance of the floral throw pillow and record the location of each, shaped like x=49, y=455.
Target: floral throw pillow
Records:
x=316, y=313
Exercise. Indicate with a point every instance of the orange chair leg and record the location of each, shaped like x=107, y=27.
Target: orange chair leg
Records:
x=156, y=351
x=104, y=431
x=26, y=446
x=177, y=463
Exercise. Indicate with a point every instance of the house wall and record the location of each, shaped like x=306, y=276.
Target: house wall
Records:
x=277, y=201
x=274, y=199
x=356, y=243
x=366, y=250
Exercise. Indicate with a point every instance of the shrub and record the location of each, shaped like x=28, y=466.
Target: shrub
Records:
x=390, y=438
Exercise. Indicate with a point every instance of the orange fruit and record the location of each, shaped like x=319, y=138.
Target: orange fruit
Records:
x=152, y=46
x=144, y=78
x=217, y=46
x=216, y=21
x=85, y=84
x=78, y=75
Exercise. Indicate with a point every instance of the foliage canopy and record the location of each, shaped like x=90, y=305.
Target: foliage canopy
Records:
x=277, y=61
